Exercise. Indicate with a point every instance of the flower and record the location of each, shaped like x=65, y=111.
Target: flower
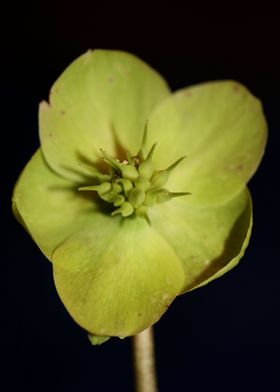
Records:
x=129, y=224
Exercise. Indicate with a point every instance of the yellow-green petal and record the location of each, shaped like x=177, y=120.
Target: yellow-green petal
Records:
x=96, y=340
x=49, y=207
x=221, y=128
x=208, y=241
x=102, y=100
x=121, y=283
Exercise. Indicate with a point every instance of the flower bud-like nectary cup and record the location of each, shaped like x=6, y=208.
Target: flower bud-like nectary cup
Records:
x=137, y=195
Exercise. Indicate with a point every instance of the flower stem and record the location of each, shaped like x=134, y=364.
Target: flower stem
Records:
x=144, y=361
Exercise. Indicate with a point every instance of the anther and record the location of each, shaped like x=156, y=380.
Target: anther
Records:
x=100, y=189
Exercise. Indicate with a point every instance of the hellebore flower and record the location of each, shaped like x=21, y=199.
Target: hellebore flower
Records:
x=129, y=224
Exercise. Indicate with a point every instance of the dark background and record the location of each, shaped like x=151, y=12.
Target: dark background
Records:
x=223, y=337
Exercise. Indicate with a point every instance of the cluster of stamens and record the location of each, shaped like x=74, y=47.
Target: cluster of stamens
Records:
x=133, y=185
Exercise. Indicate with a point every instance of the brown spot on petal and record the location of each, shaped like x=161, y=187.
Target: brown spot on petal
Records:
x=62, y=112
x=111, y=79
x=236, y=88
x=239, y=168
x=55, y=90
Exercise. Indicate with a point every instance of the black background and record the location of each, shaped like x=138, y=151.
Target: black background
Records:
x=223, y=337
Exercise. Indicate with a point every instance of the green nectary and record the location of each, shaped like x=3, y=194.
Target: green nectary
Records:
x=133, y=184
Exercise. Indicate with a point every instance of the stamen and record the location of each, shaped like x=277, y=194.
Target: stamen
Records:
x=126, y=184
x=101, y=177
x=150, y=199
x=100, y=189
x=110, y=160
x=110, y=197
x=132, y=185
x=146, y=168
x=161, y=177
x=143, y=183
x=142, y=152
x=129, y=158
x=136, y=197
x=125, y=210
x=129, y=172
x=119, y=200
x=164, y=196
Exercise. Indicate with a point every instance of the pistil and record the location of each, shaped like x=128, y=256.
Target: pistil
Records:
x=133, y=185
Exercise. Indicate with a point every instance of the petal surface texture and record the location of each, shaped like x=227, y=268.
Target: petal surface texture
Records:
x=221, y=128
x=208, y=241
x=117, y=276
x=117, y=281
x=102, y=100
x=48, y=206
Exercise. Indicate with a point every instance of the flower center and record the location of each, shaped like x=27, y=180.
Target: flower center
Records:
x=133, y=185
